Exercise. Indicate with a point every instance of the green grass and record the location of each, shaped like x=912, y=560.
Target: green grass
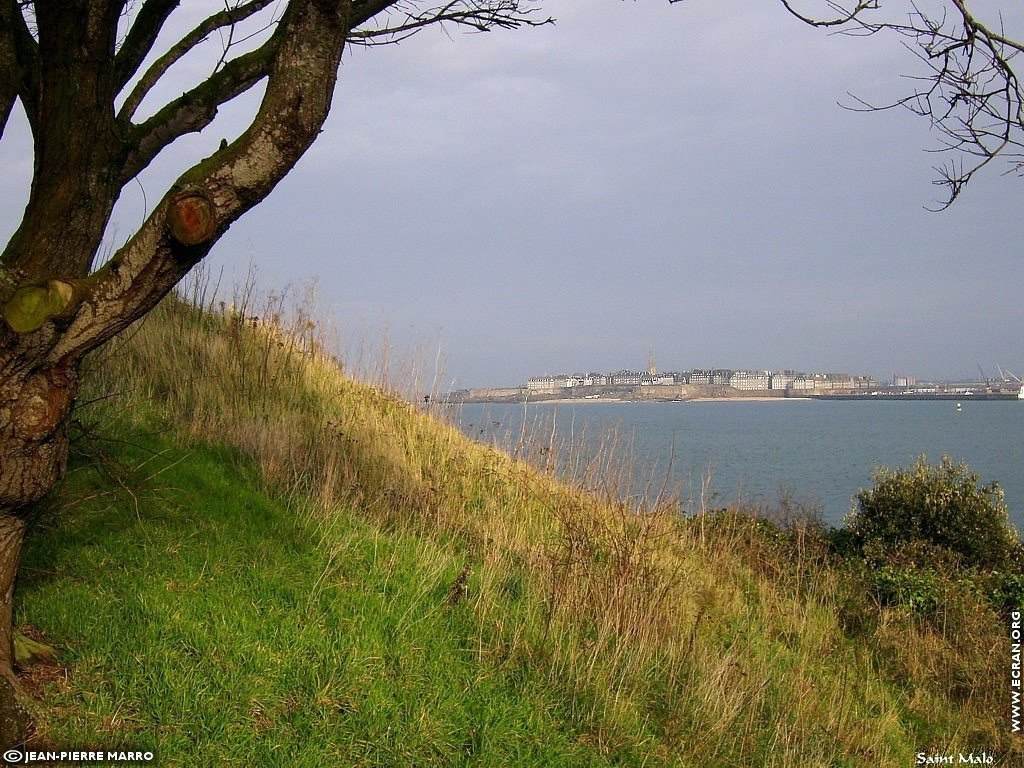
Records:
x=200, y=619
x=272, y=586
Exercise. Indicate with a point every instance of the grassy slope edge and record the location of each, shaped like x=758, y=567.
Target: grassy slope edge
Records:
x=315, y=573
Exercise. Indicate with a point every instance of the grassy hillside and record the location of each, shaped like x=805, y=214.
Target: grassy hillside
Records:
x=260, y=561
x=202, y=621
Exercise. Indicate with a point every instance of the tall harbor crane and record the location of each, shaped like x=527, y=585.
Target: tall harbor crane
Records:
x=1007, y=375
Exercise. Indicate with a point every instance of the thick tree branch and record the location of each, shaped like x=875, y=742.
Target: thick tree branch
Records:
x=140, y=39
x=208, y=198
x=225, y=18
x=7, y=99
x=76, y=143
x=197, y=108
x=364, y=10
x=9, y=76
x=19, y=63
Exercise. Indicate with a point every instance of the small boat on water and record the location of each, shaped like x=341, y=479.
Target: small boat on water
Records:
x=1020, y=395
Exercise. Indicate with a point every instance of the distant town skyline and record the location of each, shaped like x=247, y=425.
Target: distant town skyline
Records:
x=725, y=377
x=894, y=378
x=669, y=176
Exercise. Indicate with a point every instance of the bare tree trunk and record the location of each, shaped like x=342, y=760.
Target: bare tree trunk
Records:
x=34, y=417
x=14, y=718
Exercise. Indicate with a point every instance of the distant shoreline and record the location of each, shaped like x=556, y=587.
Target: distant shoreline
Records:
x=747, y=399
x=737, y=399
x=728, y=399
x=701, y=393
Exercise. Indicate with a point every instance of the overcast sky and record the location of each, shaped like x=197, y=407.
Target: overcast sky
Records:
x=639, y=176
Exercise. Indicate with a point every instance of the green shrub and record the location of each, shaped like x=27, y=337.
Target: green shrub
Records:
x=943, y=506
x=920, y=590
x=917, y=575
x=1004, y=589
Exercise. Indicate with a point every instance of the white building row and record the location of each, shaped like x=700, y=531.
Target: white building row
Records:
x=743, y=380
x=565, y=381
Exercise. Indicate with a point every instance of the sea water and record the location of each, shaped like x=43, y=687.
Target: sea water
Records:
x=819, y=451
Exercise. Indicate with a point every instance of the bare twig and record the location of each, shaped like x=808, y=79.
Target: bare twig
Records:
x=970, y=93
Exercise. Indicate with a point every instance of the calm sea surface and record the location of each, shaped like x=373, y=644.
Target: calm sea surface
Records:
x=823, y=452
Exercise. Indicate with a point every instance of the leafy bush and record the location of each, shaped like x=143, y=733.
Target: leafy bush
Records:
x=1004, y=589
x=943, y=506
x=920, y=590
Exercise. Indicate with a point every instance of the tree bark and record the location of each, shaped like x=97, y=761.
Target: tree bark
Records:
x=14, y=717
x=35, y=409
x=34, y=420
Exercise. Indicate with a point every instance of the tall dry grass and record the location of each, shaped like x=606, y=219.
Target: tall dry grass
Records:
x=702, y=641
